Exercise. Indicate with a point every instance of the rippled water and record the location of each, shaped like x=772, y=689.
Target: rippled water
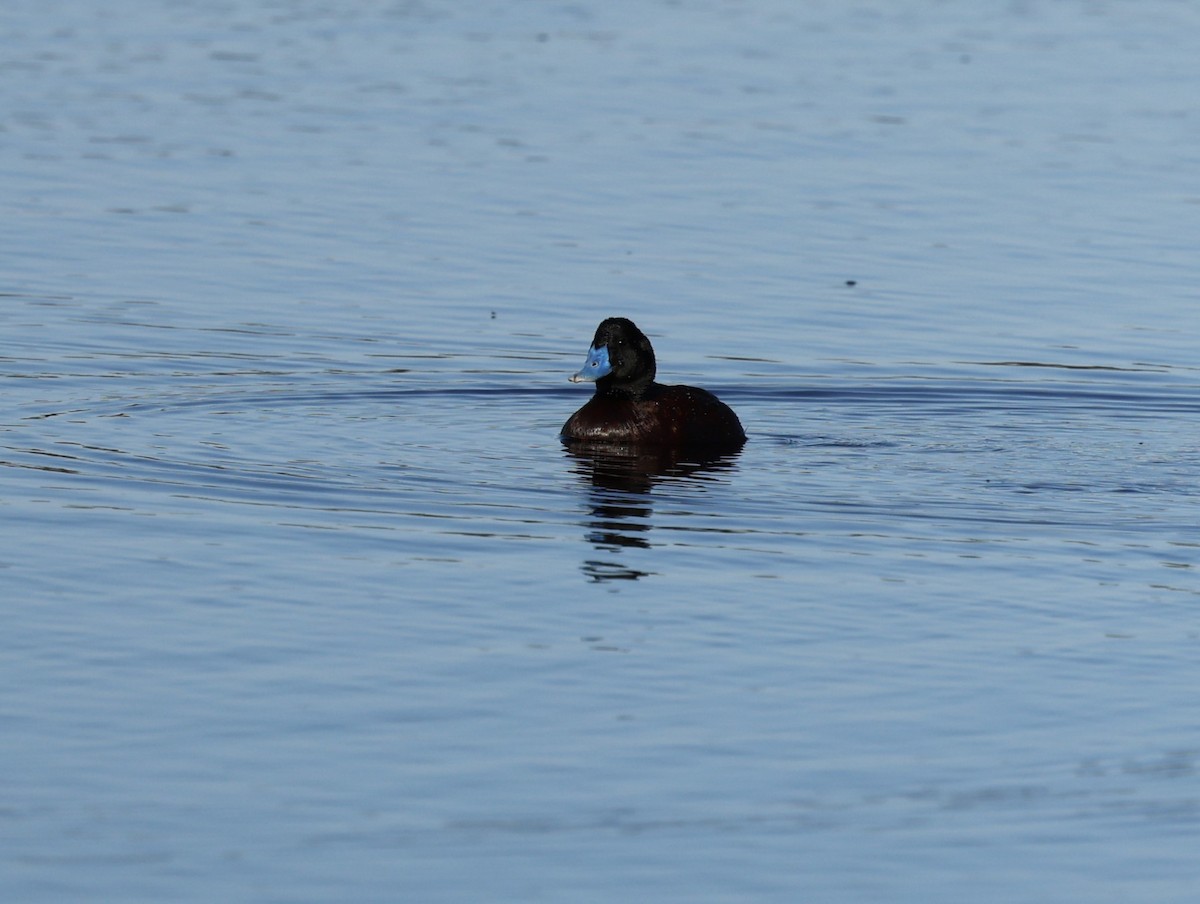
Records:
x=303, y=600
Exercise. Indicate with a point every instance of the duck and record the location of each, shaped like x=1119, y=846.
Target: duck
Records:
x=629, y=408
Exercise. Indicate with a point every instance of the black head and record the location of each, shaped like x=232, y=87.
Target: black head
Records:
x=621, y=358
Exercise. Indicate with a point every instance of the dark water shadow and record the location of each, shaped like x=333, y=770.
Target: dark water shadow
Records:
x=621, y=480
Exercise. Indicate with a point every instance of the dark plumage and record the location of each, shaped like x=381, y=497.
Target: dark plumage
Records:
x=629, y=407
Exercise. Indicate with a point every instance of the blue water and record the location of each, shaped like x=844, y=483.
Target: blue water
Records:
x=304, y=601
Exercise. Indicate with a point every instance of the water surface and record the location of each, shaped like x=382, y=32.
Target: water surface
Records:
x=304, y=601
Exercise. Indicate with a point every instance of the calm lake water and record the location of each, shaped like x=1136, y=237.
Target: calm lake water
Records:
x=304, y=601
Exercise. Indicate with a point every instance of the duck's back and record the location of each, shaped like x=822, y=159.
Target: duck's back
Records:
x=668, y=416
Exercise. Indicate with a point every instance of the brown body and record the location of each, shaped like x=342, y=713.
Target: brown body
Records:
x=680, y=416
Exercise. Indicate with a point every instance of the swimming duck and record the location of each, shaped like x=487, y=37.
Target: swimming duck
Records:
x=629, y=407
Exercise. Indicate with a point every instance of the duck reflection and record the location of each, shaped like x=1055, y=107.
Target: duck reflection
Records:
x=621, y=478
